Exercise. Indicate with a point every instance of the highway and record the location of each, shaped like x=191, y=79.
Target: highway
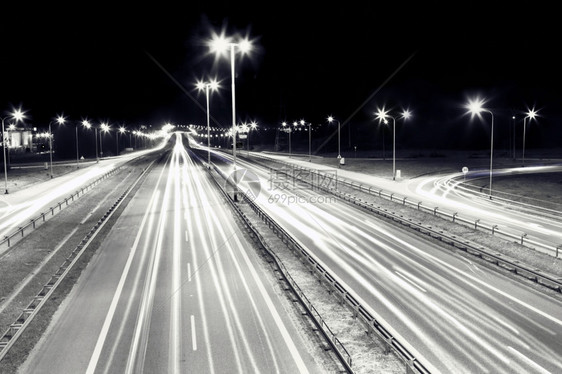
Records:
x=446, y=193
x=454, y=314
x=18, y=208
x=175, y=287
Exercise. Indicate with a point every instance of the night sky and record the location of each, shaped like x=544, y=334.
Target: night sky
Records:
x=138, y=65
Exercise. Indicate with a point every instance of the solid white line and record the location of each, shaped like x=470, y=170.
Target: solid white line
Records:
x=536, y=366
x=193, y=334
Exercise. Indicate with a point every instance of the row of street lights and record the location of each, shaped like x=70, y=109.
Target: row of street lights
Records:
x=474, y=107
x=221, y=45
x=18, y=115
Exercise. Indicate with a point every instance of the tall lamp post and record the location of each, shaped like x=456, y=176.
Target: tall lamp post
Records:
x=330, y=120
x=302, y=122
x=121, y=131
x=88, y=125
x=219, y=45
x=104, y=127
x=287, y=130
x=530, y=114
x=253, y=126
x=60, y=120
x=381, y=116
x=475, y=107
x=211, y=85
x=17, y=115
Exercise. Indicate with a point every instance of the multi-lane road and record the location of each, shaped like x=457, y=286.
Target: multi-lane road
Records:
x=175, y=288
x=446, y=192
x=456, y=315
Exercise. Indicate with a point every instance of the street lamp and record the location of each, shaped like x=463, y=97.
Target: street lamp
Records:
x=60, y=120
x=104, y=127
x=219, y=45
x=287, y=130
x=211, y=85
x=303, y=123
x=475, y=107
x=17, y=115
x=121, y=130
x=530, y=114
x=331, y=119
x=88, y=125
x=253, y=125
x=381, y=116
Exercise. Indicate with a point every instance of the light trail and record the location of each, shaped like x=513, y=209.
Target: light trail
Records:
x=450, y=313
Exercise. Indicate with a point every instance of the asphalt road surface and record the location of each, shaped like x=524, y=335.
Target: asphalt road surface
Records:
x=455, y=315
x=175, y=287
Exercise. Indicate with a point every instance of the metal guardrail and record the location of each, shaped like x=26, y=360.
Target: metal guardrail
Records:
x=537, y=276
x=478, y=224
x=319, y=321
x=20, y=232
x=10, y=336
x=360, y=311
x=548, y=280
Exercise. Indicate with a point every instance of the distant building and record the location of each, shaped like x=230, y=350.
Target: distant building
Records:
x=25, y=140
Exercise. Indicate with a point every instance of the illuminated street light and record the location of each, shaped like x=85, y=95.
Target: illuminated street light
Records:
x=475, y=107
x=17, y=115
x=381, y=116
x=60, y=120
x=212, y=85
x=303, y=123
x=253, y=126
x=219, y=45
x=289, y=131
x=88, y=125
x=530, y=114
x=104, y=127
x=331, y=119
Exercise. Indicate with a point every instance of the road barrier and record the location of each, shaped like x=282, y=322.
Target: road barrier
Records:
x=522, y=238
x=10, y=239
x=10, y=336
x=412, y=364
x=551, y=281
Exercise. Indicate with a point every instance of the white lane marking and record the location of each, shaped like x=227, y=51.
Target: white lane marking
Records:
x=193, y=333
x=410, y=281
x=109, y=317
x=188, y=272
x=532, y=363
x=506, y=325
x=186, y=237
x=469, y=276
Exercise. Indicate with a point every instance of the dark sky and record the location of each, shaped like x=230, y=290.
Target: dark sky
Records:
x=138, y=64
